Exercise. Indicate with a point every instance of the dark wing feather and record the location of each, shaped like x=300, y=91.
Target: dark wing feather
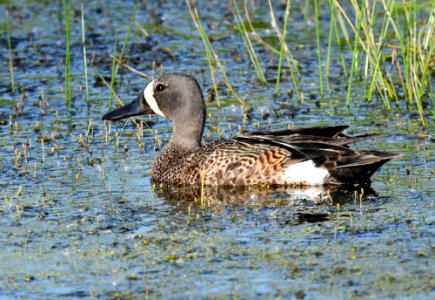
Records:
x=327, y=147
x=330, y=132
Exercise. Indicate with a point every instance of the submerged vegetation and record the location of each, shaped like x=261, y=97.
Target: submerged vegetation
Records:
x=79, y=216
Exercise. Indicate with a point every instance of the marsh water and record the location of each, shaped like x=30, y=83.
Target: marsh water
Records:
x=80, y=218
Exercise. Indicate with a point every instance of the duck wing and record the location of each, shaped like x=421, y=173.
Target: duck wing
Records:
x=327, y=147
x=327, y=132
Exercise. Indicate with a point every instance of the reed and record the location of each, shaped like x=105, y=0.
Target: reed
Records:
x=11, y=61
x=399, y=41
x=328, y=53
x=113, y=74
x=127, y=36
x=319, y=52
x=364, y=44
x=337, y=35
x=67, y=7
x=43, y=150
x=420, y=52
x=108, y=85
x=354, y=55
x=254, y=33
x=333, y=31
x=117, y=60
x=85, y=63
x=213, y=58
x=427, y=61
x=389, y=45
x=131, y=69
x=282, y=50
x=291, y=62
x=210, y=60
x=248, y=44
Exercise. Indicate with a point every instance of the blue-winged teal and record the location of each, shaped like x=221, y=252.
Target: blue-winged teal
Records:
x=310, y=156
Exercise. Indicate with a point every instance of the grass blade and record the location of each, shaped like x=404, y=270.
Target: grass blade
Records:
x=248, y=44
x=11, y=61
x=67, y=6
x=212, y=55
x=85, y=63
x=319, y=54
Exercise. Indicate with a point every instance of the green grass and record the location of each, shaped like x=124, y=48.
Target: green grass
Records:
x=390, y=43
x=319, y=51
x=127, y=36
x=291, y=62
x=11, y=62
x=108, y=85
x=85, y=63
x=113, y=74
x=248, y=44
x=355, y=53
x=397, y=40
x=117, y=60
x=281, y=54
x=213, y=58
x=67, y=7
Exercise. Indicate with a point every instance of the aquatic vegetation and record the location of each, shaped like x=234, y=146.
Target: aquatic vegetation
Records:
x=85, y=61
x=11, y=64
x=285, y=50
x=67, y=7
x=213, y=57
x=389, y=44
x=80, y=218
x=319, y=51
x=248, y=44
x=116, y=60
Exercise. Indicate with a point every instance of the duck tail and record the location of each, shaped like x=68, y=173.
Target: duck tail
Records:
x=361, y=168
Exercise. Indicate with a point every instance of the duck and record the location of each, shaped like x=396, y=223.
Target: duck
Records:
x=313, y=156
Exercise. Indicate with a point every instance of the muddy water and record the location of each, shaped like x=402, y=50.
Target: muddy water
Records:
x=80, y=218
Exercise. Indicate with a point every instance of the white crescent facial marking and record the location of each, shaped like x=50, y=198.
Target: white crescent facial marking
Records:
x=148, y=93
x=306, y=172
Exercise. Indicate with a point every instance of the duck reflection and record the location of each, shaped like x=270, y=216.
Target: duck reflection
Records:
x=308, y=204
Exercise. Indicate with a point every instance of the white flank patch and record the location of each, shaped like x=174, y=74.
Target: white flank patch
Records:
x=148, y=93
x=305, y=173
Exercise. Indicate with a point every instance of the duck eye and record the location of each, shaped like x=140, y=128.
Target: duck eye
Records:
x=160, y=87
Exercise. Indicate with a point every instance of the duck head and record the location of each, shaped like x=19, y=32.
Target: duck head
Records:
x=175, y=96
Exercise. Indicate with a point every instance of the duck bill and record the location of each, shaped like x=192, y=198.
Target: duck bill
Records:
x=136, y=108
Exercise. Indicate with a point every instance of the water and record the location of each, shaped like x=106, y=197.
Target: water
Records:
x=80, y=218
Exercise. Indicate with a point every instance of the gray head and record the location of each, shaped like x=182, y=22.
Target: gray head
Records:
x=175, y=96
